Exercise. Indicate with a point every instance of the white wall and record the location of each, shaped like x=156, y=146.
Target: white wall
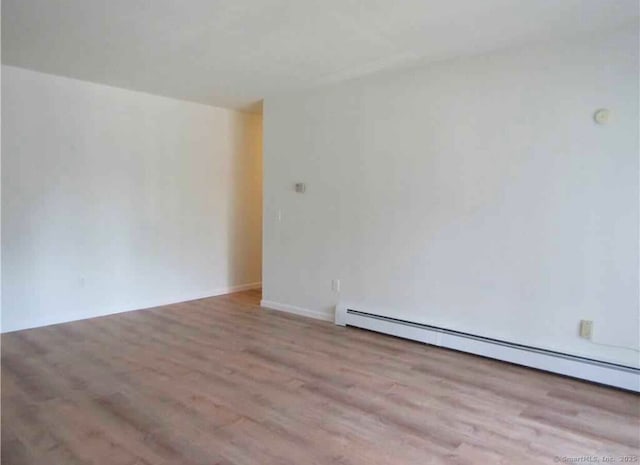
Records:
x=476, y=194
x=116, y=200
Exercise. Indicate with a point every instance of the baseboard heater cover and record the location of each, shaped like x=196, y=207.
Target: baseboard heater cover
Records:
x=611, y=374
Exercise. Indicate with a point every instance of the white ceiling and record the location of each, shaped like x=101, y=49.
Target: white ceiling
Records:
x=233, y=53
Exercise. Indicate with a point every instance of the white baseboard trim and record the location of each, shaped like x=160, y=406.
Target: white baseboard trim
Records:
x=54, y=320
x=577, y=367
x=316, y=314
x=238, y=288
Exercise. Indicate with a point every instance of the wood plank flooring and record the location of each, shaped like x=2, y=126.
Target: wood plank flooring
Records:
x=221, y=381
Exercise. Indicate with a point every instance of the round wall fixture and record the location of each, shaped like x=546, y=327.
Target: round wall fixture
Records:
x=601, y=116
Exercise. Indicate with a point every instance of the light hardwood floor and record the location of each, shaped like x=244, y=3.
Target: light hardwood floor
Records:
x=221, y=381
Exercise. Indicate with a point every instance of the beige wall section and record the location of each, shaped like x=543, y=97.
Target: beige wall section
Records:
x=245, y=225
x=116, y=200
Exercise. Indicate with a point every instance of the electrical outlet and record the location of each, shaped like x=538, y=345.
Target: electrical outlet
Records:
x=335, y=285
x=586, y=329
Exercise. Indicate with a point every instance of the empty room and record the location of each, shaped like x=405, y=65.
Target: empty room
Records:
x=341, y=232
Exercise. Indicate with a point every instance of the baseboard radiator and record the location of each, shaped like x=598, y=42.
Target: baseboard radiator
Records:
x=611, y=374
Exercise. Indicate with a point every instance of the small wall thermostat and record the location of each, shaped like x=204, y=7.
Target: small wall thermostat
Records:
x=300, y=187
x=601, y=116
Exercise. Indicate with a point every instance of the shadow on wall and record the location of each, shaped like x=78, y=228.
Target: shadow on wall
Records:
x=245, y=202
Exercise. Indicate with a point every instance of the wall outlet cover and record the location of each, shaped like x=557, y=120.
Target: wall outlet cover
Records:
x=586, y=329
